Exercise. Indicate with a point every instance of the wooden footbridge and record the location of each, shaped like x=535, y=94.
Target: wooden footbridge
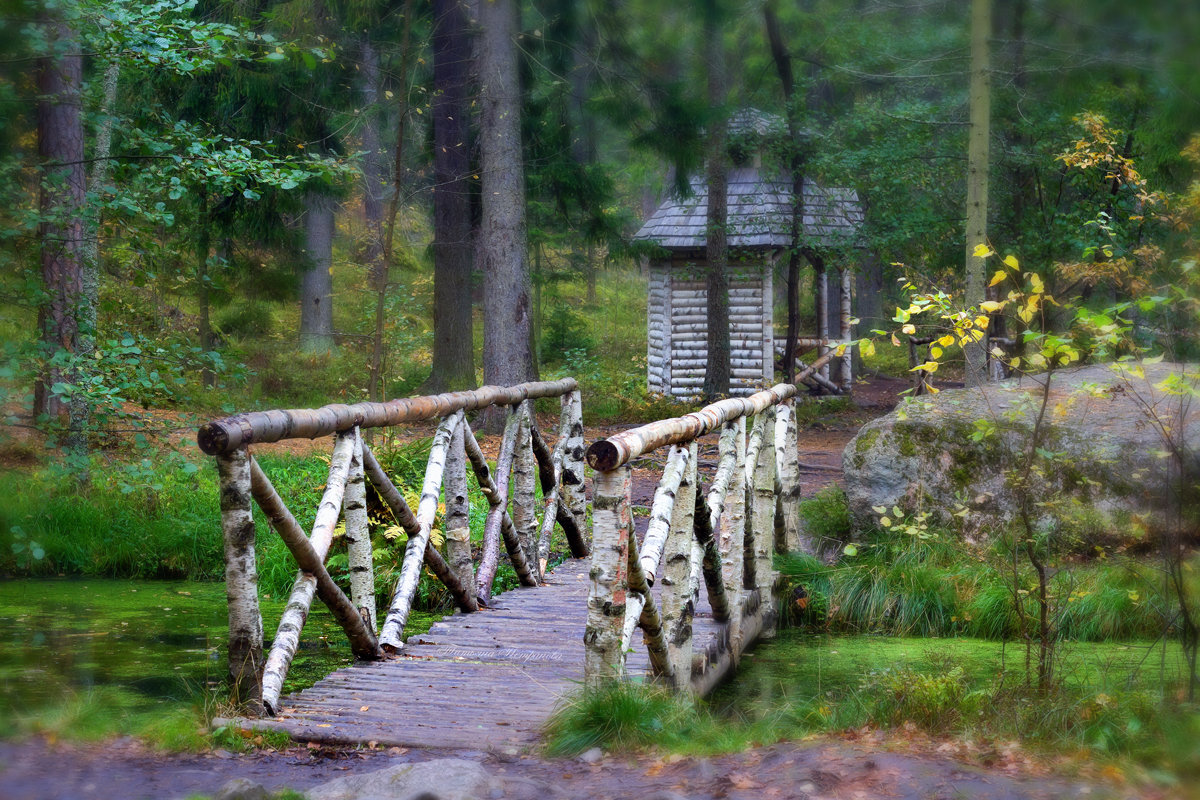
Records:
x=695, y=575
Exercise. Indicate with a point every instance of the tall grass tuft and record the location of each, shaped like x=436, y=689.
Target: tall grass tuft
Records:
x=622, y=715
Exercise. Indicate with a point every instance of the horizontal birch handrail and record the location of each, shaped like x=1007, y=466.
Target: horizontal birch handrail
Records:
x=608, y=454
x=260, y=427
x=512, y=518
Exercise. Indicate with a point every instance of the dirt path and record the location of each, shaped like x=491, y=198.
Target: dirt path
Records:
x=834, y=770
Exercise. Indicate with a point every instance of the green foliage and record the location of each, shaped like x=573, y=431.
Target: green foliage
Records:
x=564, y=335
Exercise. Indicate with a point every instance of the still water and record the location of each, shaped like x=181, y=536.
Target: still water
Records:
x=148, y=642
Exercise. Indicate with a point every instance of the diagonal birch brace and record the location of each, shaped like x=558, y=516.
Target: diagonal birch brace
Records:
x=391, y=637
x=362, y=637
x=498, y=518
x=295, y=614
x=358, y=538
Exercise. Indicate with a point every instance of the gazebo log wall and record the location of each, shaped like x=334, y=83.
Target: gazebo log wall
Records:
x=677, y=335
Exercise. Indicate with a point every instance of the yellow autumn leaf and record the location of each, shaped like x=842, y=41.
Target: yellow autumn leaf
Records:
x=867, y=348
x=946, y=340
x=982, y=251
x=1011, y=261
x=998, y=277
x=935, y=351
x=1035, y=283
x=981, y=322
x=928, y=366
x=991, y=306
x=909, y=329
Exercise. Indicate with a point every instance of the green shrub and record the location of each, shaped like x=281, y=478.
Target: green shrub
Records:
x=826, y=515
x=246, y=320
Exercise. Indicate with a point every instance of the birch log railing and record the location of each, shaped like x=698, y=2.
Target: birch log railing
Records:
x=512, y=522
x=720, y=539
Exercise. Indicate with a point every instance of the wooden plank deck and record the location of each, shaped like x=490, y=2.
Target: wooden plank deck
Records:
x=483, y=681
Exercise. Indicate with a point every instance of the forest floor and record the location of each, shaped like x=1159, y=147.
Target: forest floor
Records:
x=857, y=766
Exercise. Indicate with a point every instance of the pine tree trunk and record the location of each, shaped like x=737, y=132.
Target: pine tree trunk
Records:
x=375, y=180
x=975, y=353
x=63, y=194
x=717, y=373
x=453, y=351
x=507, y=355
x=316, y=282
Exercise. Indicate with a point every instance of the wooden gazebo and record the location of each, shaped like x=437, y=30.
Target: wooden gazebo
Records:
x=760, y=206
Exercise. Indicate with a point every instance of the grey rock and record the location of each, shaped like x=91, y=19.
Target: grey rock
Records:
x=242, y=789
x=591, y=756
x=922, y=455
x=440, y=779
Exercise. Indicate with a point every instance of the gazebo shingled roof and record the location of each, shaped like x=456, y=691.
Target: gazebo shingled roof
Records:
x=760, y=209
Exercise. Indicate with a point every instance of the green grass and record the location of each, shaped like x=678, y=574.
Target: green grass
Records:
x=1115, y=700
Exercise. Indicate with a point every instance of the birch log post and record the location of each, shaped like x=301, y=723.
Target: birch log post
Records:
x=754, y=446
x=391, y=637
x=574, y=491
x=295, y=613
x=463, y=594
x=612, y=527
x=524, y=513
x=661, y=511
x=678, y=606
x=241, y=582
x=847, y=382
x=458, y=513
x=498, y=523
x=787, y=471
x=762, y=516
x=358, y=537
x=347, y=613
x=731, y=532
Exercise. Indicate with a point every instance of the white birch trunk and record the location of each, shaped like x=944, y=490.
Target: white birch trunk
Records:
x=295, y=614
x=358, y=538
x=678, y=589
x=458, y=512
x=392, y=635
x=241, y=582
x=612, y=527
x=573, y=479
x=732, y=532
x=524, y=513
x=787, y=470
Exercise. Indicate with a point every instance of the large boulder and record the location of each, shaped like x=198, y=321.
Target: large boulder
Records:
x=953, y=454
x=439, y=779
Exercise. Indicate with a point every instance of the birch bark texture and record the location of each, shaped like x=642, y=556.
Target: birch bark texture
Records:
x=295, y=613
x=392, y=633
x=358, y=537
x=241, y=581
x=612, y=526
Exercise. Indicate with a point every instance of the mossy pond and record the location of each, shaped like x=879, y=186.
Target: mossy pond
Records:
x=143, y=646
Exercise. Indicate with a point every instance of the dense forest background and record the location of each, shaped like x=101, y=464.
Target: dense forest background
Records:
x=193, y=191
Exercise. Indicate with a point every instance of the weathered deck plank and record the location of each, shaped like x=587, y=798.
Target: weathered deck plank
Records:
x=488, y=680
